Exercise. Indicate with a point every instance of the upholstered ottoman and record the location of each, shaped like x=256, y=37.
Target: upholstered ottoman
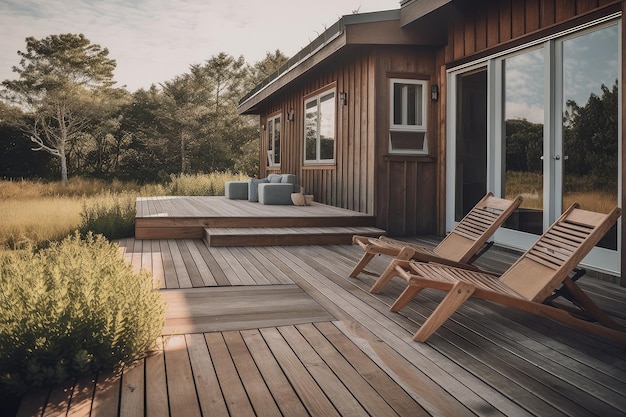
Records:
x=236, y=190
x=275, y=193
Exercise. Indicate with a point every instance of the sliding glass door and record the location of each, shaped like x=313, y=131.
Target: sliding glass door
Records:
x=543, y=122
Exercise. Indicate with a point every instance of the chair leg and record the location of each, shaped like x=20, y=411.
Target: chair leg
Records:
x=407, y=295
x=588, y=306
x=457, y=295
x=386, y=276
x=365, y=259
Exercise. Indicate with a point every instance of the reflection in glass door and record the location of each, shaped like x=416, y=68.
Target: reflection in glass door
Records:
x=590, y=123
x=523, y=121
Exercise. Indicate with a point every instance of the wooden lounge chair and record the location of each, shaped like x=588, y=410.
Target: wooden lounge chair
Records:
x=526, y=284
x=465, y=243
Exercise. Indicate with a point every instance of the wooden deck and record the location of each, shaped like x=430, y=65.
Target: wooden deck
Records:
x=346, y=354
x=210, y=217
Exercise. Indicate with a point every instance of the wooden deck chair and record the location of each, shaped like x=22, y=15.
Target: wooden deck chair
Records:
x=526, y=284
x=461, y=246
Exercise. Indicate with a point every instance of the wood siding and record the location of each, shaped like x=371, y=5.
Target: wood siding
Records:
x=363, y=178
x=479, y=26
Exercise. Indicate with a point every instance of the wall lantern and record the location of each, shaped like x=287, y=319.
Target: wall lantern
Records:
x=290, y=114
x=343, y=98
x=434, y=92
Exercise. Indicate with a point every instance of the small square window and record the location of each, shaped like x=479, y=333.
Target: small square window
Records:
x=407, y=130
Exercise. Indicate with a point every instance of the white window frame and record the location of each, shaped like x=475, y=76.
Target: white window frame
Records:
x=272, y=139
x=404, y=126
x=317, y=98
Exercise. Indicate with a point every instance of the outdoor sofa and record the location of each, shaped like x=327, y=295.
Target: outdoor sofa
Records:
x=275, y=189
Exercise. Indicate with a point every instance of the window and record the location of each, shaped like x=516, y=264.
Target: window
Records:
x=273, y=140
x=407, y=127
x=319, y=128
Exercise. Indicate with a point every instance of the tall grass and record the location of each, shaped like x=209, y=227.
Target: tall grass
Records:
x=201, y=184
x=35, y=212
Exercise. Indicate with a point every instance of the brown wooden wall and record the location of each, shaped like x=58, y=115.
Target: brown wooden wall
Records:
x=480, y=25
x=364, y=178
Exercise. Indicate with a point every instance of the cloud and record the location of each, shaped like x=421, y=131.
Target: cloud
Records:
x=155, y=40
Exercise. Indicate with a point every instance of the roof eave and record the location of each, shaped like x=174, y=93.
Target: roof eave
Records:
x=326, y=45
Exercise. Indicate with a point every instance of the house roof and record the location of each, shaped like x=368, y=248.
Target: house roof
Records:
x=377, y=28
x=413, y=10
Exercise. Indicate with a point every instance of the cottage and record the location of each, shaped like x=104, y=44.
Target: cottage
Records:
x=412, y=115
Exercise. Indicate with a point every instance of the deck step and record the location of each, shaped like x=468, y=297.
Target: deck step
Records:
x=285, y=236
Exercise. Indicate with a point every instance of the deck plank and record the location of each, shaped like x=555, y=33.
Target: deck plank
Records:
x=157, y=403
x=354, y=382
x=395, y=396
x=308, y=390
x=82, y=394
x=205, y=275
x=169, y=269
x=232, y=388
x=133, y=391
x=323, y=375
x=107, y=396
x=207, y=385
x=184, y=280
x=277, y=383
x=259, y=394
x=181, y=389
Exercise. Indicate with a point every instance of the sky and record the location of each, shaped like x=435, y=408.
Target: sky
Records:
x=153, y=41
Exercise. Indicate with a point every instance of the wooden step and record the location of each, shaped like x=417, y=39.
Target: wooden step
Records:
x=285, y=236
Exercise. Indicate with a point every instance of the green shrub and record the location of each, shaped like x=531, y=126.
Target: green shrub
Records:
x=113, y=218
x=72, y=309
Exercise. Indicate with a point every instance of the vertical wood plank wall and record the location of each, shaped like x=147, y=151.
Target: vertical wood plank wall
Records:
x=483, y=24
x=362, y=179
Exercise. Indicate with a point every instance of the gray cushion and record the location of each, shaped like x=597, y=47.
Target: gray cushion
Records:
x=253, y=188
x=288, y=178
x=275, y=178
x=236, y=190
x=275, y=194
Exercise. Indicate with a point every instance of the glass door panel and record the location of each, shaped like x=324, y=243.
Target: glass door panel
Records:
x=471, y=141
x=523, y=121
x=590, y=123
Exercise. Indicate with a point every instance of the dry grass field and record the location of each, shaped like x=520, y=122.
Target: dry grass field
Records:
x=35, y=212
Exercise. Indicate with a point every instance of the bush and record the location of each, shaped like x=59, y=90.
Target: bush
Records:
x=113, y=218
x=71, y=309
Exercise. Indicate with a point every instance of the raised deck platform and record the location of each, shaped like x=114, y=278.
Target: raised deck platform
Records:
x=224, y=222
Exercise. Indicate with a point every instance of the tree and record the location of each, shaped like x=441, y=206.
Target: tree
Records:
x=16, y=159
x=60, y=80
x=591, y=133
x=266, y=67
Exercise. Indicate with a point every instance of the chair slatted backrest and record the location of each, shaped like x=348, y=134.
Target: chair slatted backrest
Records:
x=475, y=229
x=544, y=266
